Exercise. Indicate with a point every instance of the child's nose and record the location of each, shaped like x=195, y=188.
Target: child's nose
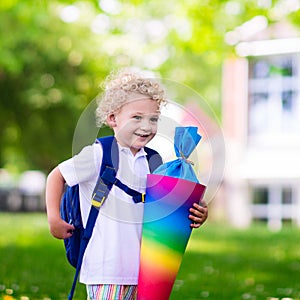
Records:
x=146, y=125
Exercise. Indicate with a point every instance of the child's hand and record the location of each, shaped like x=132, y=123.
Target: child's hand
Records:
x=199, y=214
x=61, y=229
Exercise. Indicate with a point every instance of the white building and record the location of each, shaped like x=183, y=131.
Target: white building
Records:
x=261, y=122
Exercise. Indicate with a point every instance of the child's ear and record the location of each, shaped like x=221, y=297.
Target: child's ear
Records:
x=111, y=120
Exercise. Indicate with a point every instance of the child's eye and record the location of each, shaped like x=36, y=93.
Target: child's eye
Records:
x=137, y=117
x=154, y=119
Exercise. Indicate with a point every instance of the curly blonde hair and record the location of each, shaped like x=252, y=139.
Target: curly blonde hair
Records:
x=119, y=87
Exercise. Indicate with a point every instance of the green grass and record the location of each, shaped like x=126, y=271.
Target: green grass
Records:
x=32, y=262
x=226, y=263
x=220, y=263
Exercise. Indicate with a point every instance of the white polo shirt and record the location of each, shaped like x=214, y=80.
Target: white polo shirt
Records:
x=113, y=253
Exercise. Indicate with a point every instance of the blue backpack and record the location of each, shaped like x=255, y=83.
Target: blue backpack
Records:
x=70, y=205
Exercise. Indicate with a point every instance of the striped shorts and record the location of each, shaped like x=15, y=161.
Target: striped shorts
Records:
x=111, y=292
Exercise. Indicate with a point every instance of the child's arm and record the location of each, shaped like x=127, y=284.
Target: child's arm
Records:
x=199, y=214
x=54, y=190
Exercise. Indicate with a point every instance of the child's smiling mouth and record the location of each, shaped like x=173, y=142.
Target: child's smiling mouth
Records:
x=142, y=135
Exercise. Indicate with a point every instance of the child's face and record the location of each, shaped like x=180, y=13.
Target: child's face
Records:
x=135, y=124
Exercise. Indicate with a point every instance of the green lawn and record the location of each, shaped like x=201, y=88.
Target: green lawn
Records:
x=220, y=263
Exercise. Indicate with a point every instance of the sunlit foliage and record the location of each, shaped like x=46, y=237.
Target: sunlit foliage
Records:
x=54, y=54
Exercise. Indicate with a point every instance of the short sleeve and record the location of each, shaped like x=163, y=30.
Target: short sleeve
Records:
x=82, y=167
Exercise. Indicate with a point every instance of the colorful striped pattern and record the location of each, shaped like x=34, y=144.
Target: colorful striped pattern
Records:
x=166, y=231
x=111, y=292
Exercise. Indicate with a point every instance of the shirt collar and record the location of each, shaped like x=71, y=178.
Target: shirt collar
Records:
x=141, y=152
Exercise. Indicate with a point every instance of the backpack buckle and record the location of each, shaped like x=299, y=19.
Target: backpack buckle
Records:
x=99, y=195
x=97, y=203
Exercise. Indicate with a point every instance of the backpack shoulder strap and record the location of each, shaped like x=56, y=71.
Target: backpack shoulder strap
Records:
x=110, y=153
x=154, y=159
x=109, y=166
x=108, y=170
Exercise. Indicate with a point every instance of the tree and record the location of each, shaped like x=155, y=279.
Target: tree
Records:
x=46, y=79
x=54, y=54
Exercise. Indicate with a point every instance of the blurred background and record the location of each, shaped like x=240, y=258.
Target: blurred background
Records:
x=242, y=57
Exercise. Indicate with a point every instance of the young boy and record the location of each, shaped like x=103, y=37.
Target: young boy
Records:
x=131, y=107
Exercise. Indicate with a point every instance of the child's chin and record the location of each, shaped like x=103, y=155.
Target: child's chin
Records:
x=140, y=144
x=142, y=140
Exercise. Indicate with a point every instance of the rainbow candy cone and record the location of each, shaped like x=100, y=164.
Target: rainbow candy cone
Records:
x=166, y=231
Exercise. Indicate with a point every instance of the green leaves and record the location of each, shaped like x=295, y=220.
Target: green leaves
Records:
x=54, y=54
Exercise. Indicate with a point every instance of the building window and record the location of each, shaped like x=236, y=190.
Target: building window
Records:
x=274, y=95
x=287, y=195
x=260, y=195
x=274, y=204
x=273, y=66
